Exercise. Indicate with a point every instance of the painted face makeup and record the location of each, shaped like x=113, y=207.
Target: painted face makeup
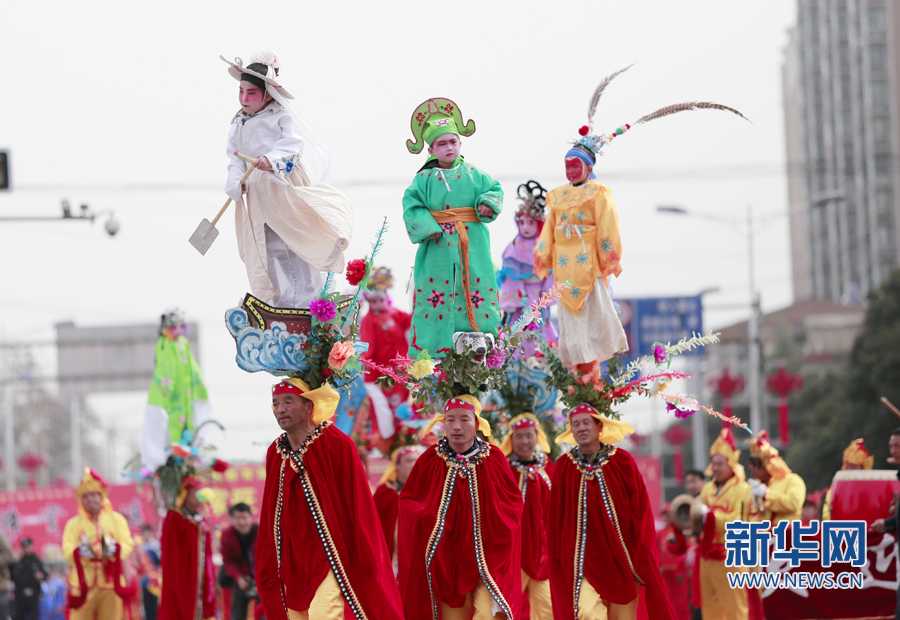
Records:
x=252, y=98
x=576, y=171
x=528, y=227
x=446, y=149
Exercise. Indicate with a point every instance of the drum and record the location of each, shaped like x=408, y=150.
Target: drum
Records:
x=863, y=494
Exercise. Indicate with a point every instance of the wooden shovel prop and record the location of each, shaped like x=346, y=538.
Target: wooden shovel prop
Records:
x=206, y=232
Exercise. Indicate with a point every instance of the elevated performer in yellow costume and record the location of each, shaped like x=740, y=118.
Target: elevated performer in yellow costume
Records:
x=580, y=242
x=727, y=498
x=95, y=542
x=856, y=456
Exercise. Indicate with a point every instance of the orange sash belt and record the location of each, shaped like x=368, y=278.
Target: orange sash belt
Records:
x=459, y=217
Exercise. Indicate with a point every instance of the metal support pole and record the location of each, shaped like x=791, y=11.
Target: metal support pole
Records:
x=9, y=430
x=75, y=434
x=753, y=336
x=698, y=422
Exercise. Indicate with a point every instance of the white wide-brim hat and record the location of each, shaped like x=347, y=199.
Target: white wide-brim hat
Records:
x=236, y=68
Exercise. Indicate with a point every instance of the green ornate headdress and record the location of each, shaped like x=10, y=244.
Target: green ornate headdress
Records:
x=433, y=118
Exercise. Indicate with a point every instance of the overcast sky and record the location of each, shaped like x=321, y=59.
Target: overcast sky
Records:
x=126, y=106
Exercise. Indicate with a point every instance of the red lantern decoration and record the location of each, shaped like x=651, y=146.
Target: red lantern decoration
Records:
x=677, y=435
x=783, y=383
x=32, y=462
x=727, y=386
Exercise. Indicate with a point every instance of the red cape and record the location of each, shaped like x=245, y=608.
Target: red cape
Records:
x=337, y=482
x=606, y=567
x=535, y=561
x=180, y=565
x=455, y=569
x=386, y=335
x=387, y=503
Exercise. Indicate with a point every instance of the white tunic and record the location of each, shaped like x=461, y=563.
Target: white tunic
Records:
x=315, y=222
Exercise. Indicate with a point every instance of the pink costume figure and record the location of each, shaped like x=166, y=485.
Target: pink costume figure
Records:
x=385, y=328
x=519, y=287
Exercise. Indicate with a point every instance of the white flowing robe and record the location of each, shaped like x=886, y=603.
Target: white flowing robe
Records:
x=314, y=222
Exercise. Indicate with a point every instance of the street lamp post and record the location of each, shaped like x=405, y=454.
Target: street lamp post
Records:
x=753, y=323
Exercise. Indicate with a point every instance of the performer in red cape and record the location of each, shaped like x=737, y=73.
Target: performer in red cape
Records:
x=317, y=551
x=460, y=511
x=188, y=574
x=532, y=469
x=602, y=538
x=387, y=494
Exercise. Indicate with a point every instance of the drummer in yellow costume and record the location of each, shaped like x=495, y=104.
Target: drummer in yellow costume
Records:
x=727, y=498
x=96, y=538
x=778, y=493
x=856, y=456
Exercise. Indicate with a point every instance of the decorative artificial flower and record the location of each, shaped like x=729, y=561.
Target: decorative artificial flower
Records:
x=682, y=411
x=495, y=358
x=340, y=354
x=533, y=326
x=220, y=466
x=145, y=472
x=571, y=390
x=180, y=451
x=322, y=310
x=421, y=368
x=356, y=271
x=327, y=372
x=659, y=354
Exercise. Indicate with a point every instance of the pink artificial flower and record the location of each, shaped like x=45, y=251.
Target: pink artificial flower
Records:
x=659, y=354
x=341, y=352
x=495, y=358
x=322, y=310
x=571, y=390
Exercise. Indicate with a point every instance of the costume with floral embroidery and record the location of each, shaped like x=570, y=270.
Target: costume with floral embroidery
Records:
x=440, y=307
x=580, y=242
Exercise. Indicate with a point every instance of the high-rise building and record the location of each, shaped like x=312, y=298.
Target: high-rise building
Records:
x=841, y=78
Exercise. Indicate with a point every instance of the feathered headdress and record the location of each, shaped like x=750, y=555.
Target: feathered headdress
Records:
x=533, y=197
x=588, y=144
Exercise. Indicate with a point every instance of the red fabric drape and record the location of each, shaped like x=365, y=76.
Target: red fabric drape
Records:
x=180, y=567
x=387, y=503
x=605, y=565
x=535, y=516
x=454, y=570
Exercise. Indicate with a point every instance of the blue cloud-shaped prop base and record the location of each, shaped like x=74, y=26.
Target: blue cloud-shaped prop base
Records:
x=521, y=374
x=275, y=350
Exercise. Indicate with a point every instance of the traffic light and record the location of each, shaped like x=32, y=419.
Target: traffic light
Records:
x=4, y=169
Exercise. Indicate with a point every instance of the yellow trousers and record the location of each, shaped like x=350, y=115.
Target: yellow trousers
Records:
x=538, y=593
x=719, y=600
x=591, y=606
x=99, y=605
x=327, y=604
x=477, y=607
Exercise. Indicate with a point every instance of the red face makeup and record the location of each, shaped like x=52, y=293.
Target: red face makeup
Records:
x=575, y=170
x=251, y=98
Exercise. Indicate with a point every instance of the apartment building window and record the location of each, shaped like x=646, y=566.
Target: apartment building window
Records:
x=883, y=202
x=877, y=56
x=883, y=165
x=878, y=91
x=876, y=18
x=880, y=128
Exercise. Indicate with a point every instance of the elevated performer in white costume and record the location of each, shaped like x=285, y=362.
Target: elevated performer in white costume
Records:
x=291, y=225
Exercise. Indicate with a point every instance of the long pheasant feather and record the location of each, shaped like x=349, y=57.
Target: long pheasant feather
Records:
x=595, y=98
x=686, y=107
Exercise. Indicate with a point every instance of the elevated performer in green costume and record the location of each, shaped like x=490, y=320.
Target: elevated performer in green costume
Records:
x=445, y=210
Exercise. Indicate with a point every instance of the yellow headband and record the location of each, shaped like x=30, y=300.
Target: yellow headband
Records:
x=612, y=432
x=506, y=445
x=483, y=425
x=325, y=399
x=857, y=454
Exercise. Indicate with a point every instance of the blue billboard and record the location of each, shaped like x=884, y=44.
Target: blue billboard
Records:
x=660, y=319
